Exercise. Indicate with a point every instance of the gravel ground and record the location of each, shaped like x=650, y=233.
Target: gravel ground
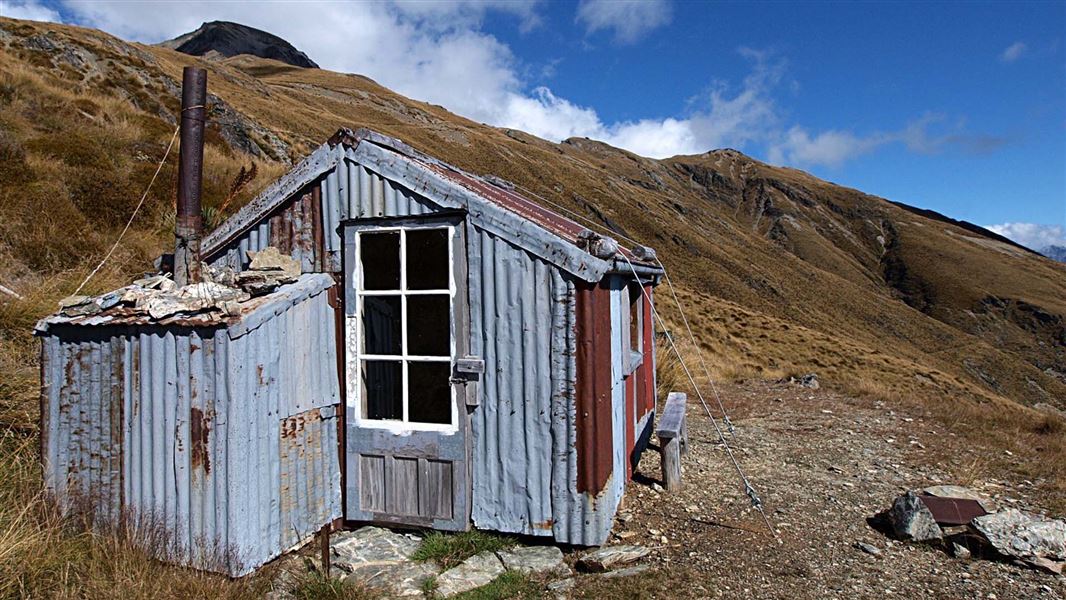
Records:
x=823, y=464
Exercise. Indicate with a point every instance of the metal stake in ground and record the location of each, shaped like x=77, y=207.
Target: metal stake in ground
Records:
x=189, y=224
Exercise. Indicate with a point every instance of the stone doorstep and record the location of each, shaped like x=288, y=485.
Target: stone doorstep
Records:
x=381, y=558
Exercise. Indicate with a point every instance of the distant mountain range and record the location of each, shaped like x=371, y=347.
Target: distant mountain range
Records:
x=781, y=273
x=1055, y=253
x=230, y=39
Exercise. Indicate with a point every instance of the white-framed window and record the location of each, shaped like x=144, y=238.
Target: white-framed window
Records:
x=403, y=327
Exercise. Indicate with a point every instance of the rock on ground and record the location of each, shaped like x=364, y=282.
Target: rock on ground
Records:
x=476, y=571
x=912, y=520
x=534, y=560
x=1021, y=535
x=380, y=558
x=604, y=559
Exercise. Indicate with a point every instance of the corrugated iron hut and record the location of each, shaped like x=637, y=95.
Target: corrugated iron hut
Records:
x=496, y=359
x=213, y=435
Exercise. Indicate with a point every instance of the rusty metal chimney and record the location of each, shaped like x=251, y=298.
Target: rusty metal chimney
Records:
x=190, y=176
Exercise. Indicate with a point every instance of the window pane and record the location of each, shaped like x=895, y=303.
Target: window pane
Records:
x=382, y=389
x=429, y=325
x=380, y=260
x=429, y=392
x=381, y=325
x=427, y=259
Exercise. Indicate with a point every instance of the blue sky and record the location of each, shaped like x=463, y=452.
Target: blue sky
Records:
x=957, y=107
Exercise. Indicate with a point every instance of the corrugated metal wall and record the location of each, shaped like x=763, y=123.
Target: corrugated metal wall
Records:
x=512, y=326
x=223, y=442
x=525, y=463
x=348, y=191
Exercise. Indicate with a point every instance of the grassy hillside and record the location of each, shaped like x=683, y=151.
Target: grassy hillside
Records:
x=782, y=273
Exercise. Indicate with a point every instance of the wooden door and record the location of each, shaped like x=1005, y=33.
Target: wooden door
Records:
x=406, y=310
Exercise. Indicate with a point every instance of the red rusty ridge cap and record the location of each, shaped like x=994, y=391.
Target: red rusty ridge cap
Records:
x=550, y=220
x=547, y=219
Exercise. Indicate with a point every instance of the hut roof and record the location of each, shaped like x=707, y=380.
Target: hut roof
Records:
x=548, y=234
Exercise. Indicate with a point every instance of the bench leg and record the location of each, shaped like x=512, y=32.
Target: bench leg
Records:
x=671, y=464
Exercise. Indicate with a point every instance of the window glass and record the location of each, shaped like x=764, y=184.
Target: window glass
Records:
x=380, y=260
x=381, y=325
x=429, y=392
x=429, y=325
x=383, y=389
x=406, y=277
x=427, y=259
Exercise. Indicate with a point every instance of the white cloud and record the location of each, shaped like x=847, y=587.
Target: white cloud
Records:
x=830, y=148
x=1013, y=52
x=29, y=10
x=1032, y=235
x=438, y=52
x=629, y=20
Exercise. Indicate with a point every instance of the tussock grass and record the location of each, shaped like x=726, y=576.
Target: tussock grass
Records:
x=74, y=161
x=316, y=586
x=450, y=549
x=45, y=554
x=77, y=150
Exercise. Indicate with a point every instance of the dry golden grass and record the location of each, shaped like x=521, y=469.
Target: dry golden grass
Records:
x=805, y=287
x=73, y=163
x=45, y=555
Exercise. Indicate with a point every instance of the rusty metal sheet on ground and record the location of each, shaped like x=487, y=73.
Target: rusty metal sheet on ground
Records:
x=953, y=511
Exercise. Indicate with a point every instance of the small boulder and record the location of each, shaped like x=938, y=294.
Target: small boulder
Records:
x=156, y=282
x=534, y=560
x=912, y=520
x=476, y=571
x=380, y=558
x=605, y=559
x=268, y=269
x=1021, y=535
x=270, y=259
x=960, y=551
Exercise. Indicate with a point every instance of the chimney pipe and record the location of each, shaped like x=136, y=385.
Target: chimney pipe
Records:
x=190, y=176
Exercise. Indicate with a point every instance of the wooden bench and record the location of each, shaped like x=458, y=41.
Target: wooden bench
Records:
x=673, y=439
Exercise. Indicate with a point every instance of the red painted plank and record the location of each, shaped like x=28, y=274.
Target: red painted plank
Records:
x=595, y=459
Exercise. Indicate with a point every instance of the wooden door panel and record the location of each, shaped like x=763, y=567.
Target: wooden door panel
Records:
x=395, y=474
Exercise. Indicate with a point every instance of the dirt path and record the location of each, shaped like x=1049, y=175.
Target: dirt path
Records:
x=822, y=464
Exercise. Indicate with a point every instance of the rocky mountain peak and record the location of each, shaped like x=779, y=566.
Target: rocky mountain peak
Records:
x=1055, y=253
x=230, y=39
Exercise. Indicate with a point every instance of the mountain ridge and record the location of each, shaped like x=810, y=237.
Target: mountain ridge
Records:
x=1055, y=252
x=228, y=39
x=784, y=273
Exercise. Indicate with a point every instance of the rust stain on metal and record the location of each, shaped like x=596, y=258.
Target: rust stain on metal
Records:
x=200, y=432
x=545, y=525
x=953, y=511
x=292, y=428
x=317, y=239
